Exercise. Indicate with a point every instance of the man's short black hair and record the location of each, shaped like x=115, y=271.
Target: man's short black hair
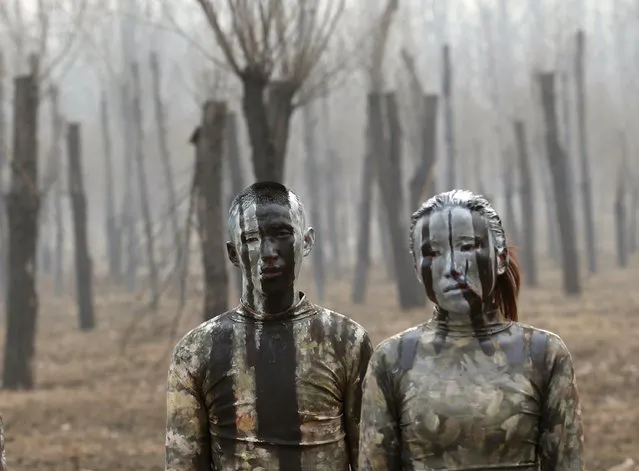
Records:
x=263, y=192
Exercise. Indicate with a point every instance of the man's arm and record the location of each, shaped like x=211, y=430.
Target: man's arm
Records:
x=187, y=445
x=353, y=397
x=379, y=444
x=3, y=458
x=561, y=441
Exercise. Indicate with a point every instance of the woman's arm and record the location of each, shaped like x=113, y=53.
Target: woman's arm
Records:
x=561, y=439
x=379, y=447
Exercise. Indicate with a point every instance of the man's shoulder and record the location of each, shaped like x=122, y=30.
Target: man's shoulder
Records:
x=200, y=338
x=332, y=319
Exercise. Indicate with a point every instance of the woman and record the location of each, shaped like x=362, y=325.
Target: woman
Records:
x=472, y=388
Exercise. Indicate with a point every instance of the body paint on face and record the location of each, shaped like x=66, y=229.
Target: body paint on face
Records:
x=270, y=236
x=457, y=263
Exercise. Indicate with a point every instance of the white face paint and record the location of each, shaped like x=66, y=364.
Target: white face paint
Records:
x=458, y=262
x=256, y=246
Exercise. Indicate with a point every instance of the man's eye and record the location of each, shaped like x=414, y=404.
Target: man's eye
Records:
x=284, y=233
x=469, y=247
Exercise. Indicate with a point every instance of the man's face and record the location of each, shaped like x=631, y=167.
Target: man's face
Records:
x=455, y=259
x=269, y=245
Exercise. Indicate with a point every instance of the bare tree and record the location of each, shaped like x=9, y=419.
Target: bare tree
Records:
x=586, y=184
x=23, y=205
x=263, y=48
x=558, y=163
x=154, y=283
x=379, y=42
x=83, y=263
x=209, y=142
x=160, y=119
x=4, y=156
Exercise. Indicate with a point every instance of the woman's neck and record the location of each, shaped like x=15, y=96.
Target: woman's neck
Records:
x=482, y=320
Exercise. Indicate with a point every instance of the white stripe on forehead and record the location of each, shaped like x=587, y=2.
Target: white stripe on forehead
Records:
x=295, y=212
x=461, y=223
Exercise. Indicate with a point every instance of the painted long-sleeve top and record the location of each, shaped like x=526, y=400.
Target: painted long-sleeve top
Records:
x=276, y=393
x=502, y=397
x=3, y=458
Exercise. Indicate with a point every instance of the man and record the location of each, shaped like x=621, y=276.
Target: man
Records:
x=275, y=383
x=3, y=459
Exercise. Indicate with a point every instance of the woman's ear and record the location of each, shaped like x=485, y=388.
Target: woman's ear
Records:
x=502, y=261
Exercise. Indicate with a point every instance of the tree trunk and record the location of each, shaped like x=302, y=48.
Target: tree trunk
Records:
x=410, y=294
x=235, y=174
x=312, y=182
x=57, y=124
x=586, y=191
x=421, y=182
x=527, y=201
x=268, y=123
x=23, y=203
x=632, y=220
x=160, y=119
x=621, y=222
x=113, y=234
x=362, y=261
x=449, y=128
x=333, y=179
x=129, y=203
x=563, y=199
x=209, y=167
x=4, y=156
x=143, y=188
x=386, y=246
x=478, y=167
x=510, y=221
x=83, y=264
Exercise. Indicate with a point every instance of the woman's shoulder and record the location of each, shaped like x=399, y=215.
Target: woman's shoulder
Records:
x=543, y=342
x=399, y=348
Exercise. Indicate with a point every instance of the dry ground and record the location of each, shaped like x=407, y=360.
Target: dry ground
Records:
x=100, y=408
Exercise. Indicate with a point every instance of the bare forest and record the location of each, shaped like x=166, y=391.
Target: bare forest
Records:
x=128, y=126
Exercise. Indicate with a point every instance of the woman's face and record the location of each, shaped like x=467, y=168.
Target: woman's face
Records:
x=455, y=259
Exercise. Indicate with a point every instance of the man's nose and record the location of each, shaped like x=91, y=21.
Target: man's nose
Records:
x=268, y=249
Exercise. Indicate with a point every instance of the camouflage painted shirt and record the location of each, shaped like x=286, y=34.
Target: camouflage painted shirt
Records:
x=3, y=458
x=283, y=393
x=442, y=398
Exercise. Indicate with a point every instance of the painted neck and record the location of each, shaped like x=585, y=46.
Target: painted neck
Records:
x=477, y=322
x=271, y=303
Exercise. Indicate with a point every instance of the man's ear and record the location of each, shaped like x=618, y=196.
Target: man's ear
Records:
x=234, y=257
x=309, y=240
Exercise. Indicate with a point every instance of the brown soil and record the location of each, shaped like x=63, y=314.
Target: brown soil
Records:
x=99, y=407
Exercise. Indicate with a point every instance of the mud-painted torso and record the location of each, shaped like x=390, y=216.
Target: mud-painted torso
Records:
x=437, y=398
x=281, y=394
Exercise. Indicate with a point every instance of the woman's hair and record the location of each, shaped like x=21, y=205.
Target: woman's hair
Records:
x=508, y=283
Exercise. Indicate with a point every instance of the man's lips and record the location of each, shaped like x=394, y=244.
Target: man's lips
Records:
x=271, y=272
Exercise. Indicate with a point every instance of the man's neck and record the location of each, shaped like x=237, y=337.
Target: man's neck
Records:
x=271, y=303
